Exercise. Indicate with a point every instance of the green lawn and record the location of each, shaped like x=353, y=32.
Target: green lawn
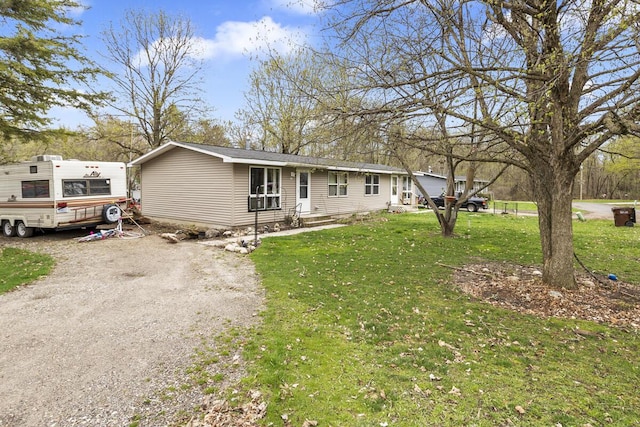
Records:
x=363, y=328
x=19, y=267
x=499, y=206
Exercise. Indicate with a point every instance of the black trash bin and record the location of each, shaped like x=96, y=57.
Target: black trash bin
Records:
x=624, y=217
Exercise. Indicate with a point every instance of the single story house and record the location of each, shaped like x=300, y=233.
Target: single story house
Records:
x=225, y=187
x=436, y=184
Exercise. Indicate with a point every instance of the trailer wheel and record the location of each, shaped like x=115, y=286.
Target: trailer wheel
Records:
x=111, y=213
x=7, y=229
x=22, y=230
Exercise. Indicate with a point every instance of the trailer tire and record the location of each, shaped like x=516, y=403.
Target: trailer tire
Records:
x=22, y=230
x=111, y=213
x=7, y=229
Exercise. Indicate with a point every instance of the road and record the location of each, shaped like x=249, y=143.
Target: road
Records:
x=597, y=210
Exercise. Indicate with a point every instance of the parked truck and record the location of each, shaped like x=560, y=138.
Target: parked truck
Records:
x=50, y=193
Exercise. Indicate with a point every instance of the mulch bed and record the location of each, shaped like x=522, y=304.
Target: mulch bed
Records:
x=520, y=288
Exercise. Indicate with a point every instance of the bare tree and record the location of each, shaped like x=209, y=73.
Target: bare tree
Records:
x=295, y=104
x=156, y=71
x=552, y=82
x=279, y=109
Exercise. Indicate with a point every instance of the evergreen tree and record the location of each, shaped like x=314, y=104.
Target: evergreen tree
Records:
x=41, y=66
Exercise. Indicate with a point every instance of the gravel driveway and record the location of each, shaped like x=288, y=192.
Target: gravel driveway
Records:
x=596, y=210
x=107, y=337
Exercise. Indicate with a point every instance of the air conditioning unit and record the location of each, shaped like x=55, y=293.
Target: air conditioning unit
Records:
x=45, y=158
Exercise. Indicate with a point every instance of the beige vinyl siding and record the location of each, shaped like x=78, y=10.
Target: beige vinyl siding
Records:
x=241, y=213
x=355, y=201
x=190, y=187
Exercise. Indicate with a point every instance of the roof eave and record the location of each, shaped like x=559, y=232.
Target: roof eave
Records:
x=244, y=160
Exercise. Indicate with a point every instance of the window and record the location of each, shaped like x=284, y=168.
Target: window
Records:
x=35, y=189
x=407, y=190
x=338, y=182
x=372, y=184
x=86, y=187
x=264, y=189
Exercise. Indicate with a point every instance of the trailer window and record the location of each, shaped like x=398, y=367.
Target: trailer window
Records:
x=86, y=187
x=35, y=189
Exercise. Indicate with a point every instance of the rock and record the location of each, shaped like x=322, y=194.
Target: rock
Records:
x=555, y=294
x=276, y=227
x=227, y=233
x=212, y=233
x=171, y=237
x=237, y=248
x=588, y=284
x=537, y=273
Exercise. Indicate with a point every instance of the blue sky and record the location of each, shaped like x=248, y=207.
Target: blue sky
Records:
x=230, y=31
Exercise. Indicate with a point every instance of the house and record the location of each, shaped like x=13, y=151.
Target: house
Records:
x=433, y=184
x=228, y=187
x=436, y=184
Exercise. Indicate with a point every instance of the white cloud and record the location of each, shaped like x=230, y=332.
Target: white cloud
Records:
x=302, y=7
x=78, y=11
x=234, y=39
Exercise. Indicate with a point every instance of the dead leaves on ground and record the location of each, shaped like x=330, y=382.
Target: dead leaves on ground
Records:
x=219, y=413
x=521, y=289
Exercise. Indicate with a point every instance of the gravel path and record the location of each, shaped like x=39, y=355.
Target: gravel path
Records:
x=107, y=337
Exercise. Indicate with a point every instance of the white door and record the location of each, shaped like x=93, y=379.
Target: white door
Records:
x=303, y=191
x=394, y=189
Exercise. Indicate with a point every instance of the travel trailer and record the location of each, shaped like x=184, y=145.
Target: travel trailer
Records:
x=51, y=193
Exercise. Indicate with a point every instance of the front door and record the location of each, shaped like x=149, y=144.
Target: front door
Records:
x=394, y=189
x=303, y=191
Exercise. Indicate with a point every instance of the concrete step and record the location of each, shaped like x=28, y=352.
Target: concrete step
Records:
x=313, y=222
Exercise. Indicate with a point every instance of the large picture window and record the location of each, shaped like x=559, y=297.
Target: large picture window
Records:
x=264, y=188
x=35, y=189
x=371, y=185
x=338, y=183
x=86, y=187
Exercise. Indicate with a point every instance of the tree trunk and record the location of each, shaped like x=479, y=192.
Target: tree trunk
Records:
x=447, y=220
x=553, y=190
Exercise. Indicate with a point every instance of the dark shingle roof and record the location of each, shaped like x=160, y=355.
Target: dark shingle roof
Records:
x=237, y=155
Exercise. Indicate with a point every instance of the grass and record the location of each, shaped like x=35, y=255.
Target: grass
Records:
x=20, y=267
x=511, y=206
x=363, y=328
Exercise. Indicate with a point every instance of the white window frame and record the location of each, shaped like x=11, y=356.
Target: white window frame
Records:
x=268, y=196
x=407, y=190
x=372, y=185
x=339, y=183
